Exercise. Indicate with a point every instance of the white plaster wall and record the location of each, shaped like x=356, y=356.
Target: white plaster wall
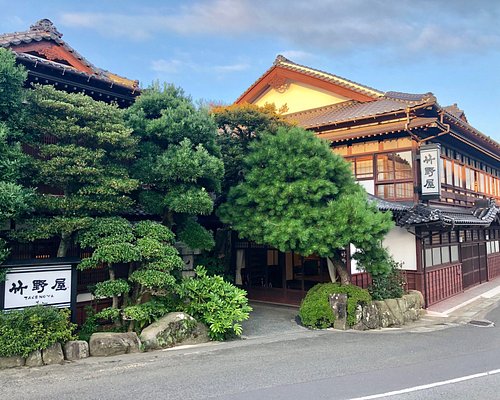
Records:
x=82, y=297
x=402, y=246
x=368, y=185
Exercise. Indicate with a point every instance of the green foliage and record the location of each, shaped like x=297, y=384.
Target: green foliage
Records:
x=178, y=162
x=148, y=312
x=215, y=302
x=109, y=313
x=111, y=288
x=12, y=78
x=239, y=125
x=34, y=328
x=303, y=200
x=90, y=325
x=82, y=153
x=195, y=236
x=146, y=250
x=316, y=312
x=390, y=285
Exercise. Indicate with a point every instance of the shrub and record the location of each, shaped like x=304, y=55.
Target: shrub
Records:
x=34, y=328
x=316, y=312
x=90, y=325
x=390, y=285
x=215, y=302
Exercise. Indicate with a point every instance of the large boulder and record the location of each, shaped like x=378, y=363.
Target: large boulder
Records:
x=34, y=359
x=173, y=329
x=11, y=362
x=103, y=344
x=53, y=354
x=76, y=350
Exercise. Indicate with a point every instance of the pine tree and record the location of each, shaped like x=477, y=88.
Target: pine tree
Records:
x=80, y=151
x=299, y=196
x=14, y=199
x=179, y=163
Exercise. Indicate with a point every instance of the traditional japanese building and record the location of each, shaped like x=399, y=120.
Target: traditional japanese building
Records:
x=438, y=175
x=50, y=60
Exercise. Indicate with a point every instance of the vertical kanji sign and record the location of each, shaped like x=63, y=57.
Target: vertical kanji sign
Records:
x=30, y=285
x=430, y=170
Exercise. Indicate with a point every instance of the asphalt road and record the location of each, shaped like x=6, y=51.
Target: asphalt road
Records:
x=457, y=362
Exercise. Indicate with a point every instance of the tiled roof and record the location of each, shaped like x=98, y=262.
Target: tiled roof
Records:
x=352, y=110
x=44, y=30
x=385, y=205
x=480, y=215
x=455, y=111
x=316, y=73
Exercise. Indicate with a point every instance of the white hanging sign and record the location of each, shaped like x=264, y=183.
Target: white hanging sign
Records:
x=430, y=170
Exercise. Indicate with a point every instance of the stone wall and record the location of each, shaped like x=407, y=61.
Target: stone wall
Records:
x=381, y=314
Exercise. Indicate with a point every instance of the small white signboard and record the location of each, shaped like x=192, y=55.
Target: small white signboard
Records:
x=38, y=285
x=430, y=170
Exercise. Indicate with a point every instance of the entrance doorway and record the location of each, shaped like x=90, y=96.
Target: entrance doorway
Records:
x=474, y=264
x=273, y=276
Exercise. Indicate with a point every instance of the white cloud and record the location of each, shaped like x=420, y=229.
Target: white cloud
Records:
x=327, y=26
x=231, y=67
x=167, y=66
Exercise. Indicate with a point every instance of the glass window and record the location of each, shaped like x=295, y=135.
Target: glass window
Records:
x=436, y=256
x=428, y=257
x=403, y=190
x=445, y=255
x=454, y=253
x=364, y=168
x=449, y=172
x=385, y=191
x=394, y=166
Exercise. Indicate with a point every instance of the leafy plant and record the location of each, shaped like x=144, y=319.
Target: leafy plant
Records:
x=34, y=328
x=90, y=325
x=390, y=285
x=146, y=251
x=315, y=310
x=215, y=302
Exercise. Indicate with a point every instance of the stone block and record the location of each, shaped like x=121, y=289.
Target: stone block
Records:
x=53, y=354
x=76, y=350
x=11, y=362
x=397, y=314
x=173, y=329
x=338, y=302
x=103, y=344
x=358, y=324
x=371, y=316
x=34, y=359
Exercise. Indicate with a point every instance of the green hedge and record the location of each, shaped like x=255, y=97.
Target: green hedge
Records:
x=315, y=311
x=34, y=328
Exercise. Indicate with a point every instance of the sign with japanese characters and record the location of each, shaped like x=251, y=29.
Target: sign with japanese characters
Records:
x=32, y=285
x=430, y=170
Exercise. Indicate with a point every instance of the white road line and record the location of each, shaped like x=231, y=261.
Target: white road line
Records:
x=428, y=386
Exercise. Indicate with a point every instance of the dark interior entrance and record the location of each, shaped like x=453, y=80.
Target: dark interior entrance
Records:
x=273, y=276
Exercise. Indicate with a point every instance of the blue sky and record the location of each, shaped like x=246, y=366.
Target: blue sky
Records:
x=215, y=49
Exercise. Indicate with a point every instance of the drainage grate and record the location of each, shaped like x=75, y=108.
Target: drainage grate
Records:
x=482, y=323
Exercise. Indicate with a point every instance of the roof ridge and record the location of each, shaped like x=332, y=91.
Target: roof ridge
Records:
x=280, y=60
x=44, y=29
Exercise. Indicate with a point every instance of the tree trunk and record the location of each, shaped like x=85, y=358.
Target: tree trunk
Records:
x=64, y=244
x=341, y=270
x=112, y=277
